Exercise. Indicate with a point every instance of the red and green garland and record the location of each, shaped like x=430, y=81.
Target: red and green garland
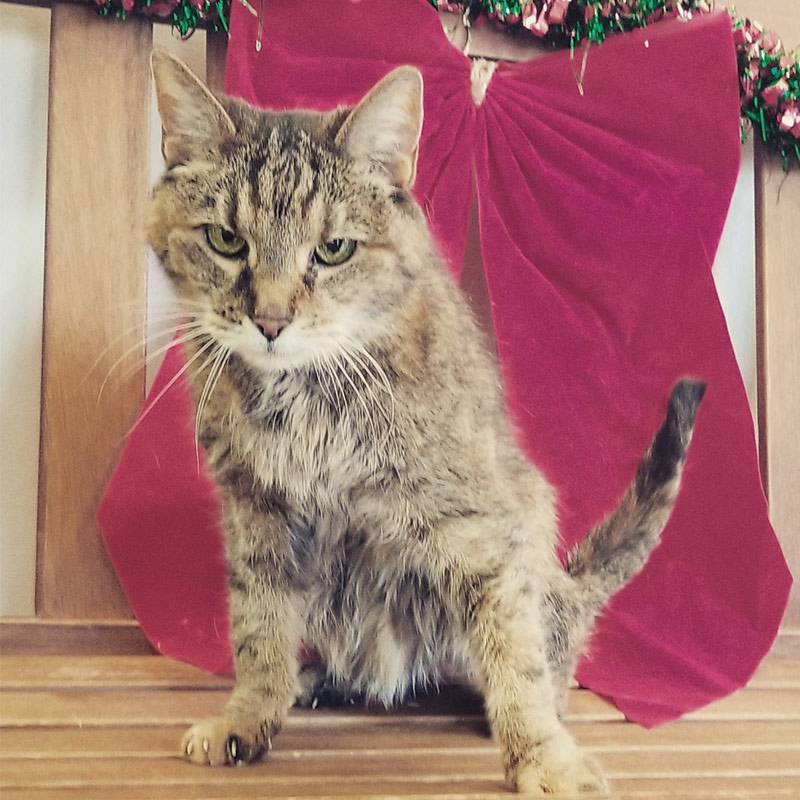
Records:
x=185, y=15
x=769, y=87
x=769, y=77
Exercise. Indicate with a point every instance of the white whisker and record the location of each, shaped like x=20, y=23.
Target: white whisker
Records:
x=172, y=381
x=194, y=330
x=319, y=370
x=220, y=359
x=374, y=378
x=329, y=362
x=168, y=299
x=371, y=367
x=369, y=417
x=175, y=314
x=140, y=327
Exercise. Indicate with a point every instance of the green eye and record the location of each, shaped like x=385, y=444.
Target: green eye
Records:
x=334, y=252
x=225, y=242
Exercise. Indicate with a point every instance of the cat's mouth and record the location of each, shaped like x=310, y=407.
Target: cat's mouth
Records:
x=274, y=344
x=270, y=343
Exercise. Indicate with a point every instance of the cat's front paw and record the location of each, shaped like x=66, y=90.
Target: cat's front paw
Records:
x=578, y=774
x=217, y=742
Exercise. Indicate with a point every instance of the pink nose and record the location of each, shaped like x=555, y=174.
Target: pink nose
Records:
x=271, y=327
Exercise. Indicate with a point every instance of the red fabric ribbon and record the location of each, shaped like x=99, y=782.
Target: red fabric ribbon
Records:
x=600, y=213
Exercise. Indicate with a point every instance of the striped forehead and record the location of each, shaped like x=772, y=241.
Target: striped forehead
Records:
x=283, y=175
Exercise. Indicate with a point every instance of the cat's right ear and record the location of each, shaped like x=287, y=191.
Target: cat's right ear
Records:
x=192, y=119
x=386, y=125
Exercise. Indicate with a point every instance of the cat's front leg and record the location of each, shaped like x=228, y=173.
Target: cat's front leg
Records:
x=265, y=632
x=508, y=648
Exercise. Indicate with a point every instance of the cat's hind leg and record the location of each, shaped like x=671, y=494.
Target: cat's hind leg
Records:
x=497, y=589
x=508, y=648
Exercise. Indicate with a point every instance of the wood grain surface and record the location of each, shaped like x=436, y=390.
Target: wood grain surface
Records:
x=778, y=265
x=95, y=283
x=96, y=727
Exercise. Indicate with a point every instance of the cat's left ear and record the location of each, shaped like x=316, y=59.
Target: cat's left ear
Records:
x=386, y=125
x=192, y=119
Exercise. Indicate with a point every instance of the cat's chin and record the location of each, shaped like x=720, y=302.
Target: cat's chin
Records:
x=281, y=356
x=273, y=360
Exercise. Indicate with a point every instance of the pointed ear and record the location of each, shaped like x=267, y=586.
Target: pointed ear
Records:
x=386, y=125
x=191, y=117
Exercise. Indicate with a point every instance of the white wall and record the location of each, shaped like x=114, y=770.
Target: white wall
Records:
x=734, y=273
x=24, y=65
x=24, y=49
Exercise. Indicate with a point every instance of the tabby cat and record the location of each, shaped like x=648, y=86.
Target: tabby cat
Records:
x=378, y=511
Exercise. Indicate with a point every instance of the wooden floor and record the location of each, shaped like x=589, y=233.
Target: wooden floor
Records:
x=108, y=728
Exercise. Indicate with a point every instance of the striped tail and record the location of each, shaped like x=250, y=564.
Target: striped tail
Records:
x=616, y=550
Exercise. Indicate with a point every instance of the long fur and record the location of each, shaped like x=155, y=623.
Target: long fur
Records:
x=378, y=509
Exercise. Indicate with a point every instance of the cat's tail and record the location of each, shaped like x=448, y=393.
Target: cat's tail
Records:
x=616, y=550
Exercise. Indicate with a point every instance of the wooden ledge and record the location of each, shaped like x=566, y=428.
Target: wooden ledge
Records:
x=72, y=636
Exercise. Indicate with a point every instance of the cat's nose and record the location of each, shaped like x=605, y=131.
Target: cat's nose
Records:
x=271, y=327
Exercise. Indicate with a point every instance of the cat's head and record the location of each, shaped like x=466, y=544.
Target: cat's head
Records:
x=288, y=235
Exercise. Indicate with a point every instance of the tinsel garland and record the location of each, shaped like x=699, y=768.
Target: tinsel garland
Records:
x=769, y=77
x=574, y=21
x=769, y=87
x=184, y=15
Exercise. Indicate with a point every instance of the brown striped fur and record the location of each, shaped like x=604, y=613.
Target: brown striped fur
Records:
x=378, y=511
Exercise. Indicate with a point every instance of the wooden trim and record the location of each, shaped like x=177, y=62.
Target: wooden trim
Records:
x=216, y=53
x=39, y=637
x=761, y=406
x=95, y=285
x=67, y=671
x=778, y=302
x=44, y=3
x=778, y=318
x=22, y=636
x=787, y=645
